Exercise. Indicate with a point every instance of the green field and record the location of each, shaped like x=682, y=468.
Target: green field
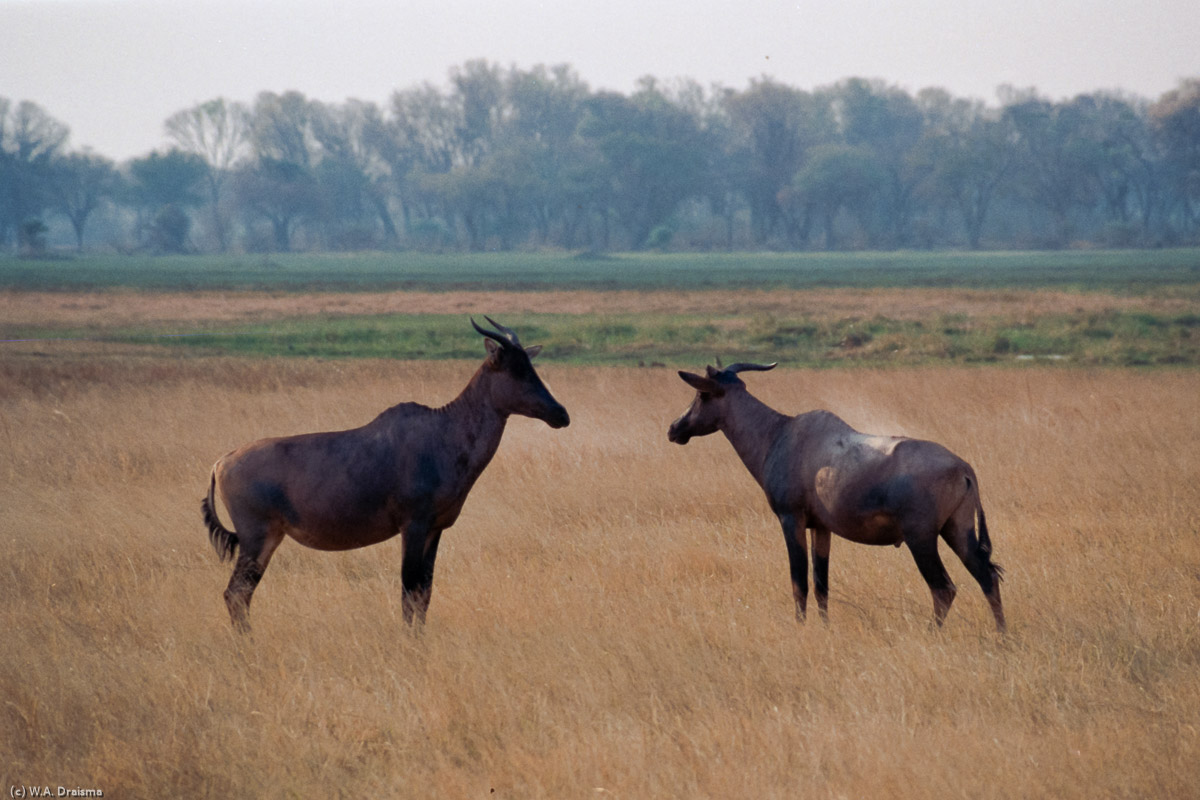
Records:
x=1114, y=338
x=1109, y=308
x=1110, y=270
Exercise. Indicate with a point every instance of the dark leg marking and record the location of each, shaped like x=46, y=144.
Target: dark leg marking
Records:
x=978, y=562
x=246, y=575
x=797, y=562
x=425, y=590
x=820, y=545
x=934, y=573
x=413, y=570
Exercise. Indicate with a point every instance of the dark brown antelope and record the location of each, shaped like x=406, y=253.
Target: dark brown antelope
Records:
x=820, y=473
x=408, y=471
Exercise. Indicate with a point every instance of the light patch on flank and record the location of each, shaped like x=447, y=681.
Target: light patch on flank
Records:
x=827, y=486
x=884, y=445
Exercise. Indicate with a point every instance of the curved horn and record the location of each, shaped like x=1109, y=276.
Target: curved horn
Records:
x=509, y=332
x=490, y=334
x=742, y=366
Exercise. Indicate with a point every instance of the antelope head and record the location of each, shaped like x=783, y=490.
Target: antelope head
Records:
x=707, y=411
x=514, y=385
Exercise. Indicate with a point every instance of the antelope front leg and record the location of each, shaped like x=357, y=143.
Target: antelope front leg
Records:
x=797, y=561
x=416, y=589
x=425, y=590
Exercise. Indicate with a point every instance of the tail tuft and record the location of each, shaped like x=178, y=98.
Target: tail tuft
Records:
x=223, y=540
x=985, y=547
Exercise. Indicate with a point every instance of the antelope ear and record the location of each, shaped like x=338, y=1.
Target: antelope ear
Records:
x=712, y=373
x=701, y=384
x=533, y=351
x=493, y=349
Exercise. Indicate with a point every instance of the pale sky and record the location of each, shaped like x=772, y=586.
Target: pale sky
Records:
x=114, y=70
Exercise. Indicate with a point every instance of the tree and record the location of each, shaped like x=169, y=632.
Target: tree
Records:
x=282, y=192
x=839, y=177
x=162, y=186
x=1128, y=166
x=354, y=172
x=168, y=232
x=280, y=128
x=472, y=190
x=544, y=105
x=468, y=194
x=887, y=122
x=281, y=184
x=516, y=180
x=776, y=126
x=725, y=161
x=478, y=100
x=82, y=181
x=218, y=132
x=652, y=151
x=1175, y=118
x=498, y=157
x=32, y=237
x=160, y=179
x=419, y=141
x=971, y=154
x=30, y=139
x=539, y=147
x=1056, y=157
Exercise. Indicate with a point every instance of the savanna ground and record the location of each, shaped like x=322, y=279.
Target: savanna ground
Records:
x=611, y=614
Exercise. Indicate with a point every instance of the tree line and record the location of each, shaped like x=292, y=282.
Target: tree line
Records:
x=510, y=158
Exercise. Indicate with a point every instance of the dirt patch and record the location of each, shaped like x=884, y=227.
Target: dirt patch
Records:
x=131, y=309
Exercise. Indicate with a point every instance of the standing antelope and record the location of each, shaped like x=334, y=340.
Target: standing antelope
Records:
x=409, y=470
x=820, y=473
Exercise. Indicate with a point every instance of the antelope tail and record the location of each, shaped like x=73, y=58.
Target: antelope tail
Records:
x=985, y=541
x=224, y=541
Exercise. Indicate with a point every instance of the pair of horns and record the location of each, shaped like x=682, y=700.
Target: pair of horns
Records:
x=505, y=336
x=508, y=337
x=741, y=366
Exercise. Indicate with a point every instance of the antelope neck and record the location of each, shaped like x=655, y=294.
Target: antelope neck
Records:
x=752, y=426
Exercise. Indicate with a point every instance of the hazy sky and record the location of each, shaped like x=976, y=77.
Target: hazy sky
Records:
x=114, y=70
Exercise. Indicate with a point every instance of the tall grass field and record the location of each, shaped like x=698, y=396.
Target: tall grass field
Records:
x=611, y=615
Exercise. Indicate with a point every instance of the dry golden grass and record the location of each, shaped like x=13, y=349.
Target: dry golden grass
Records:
x=611, y=615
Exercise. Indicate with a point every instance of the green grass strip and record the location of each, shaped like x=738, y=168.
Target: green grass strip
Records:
x=1113, y=338
x=1126, y=271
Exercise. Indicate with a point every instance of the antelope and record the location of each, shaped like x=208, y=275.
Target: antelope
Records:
x=408, y=471
x=821, y=474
